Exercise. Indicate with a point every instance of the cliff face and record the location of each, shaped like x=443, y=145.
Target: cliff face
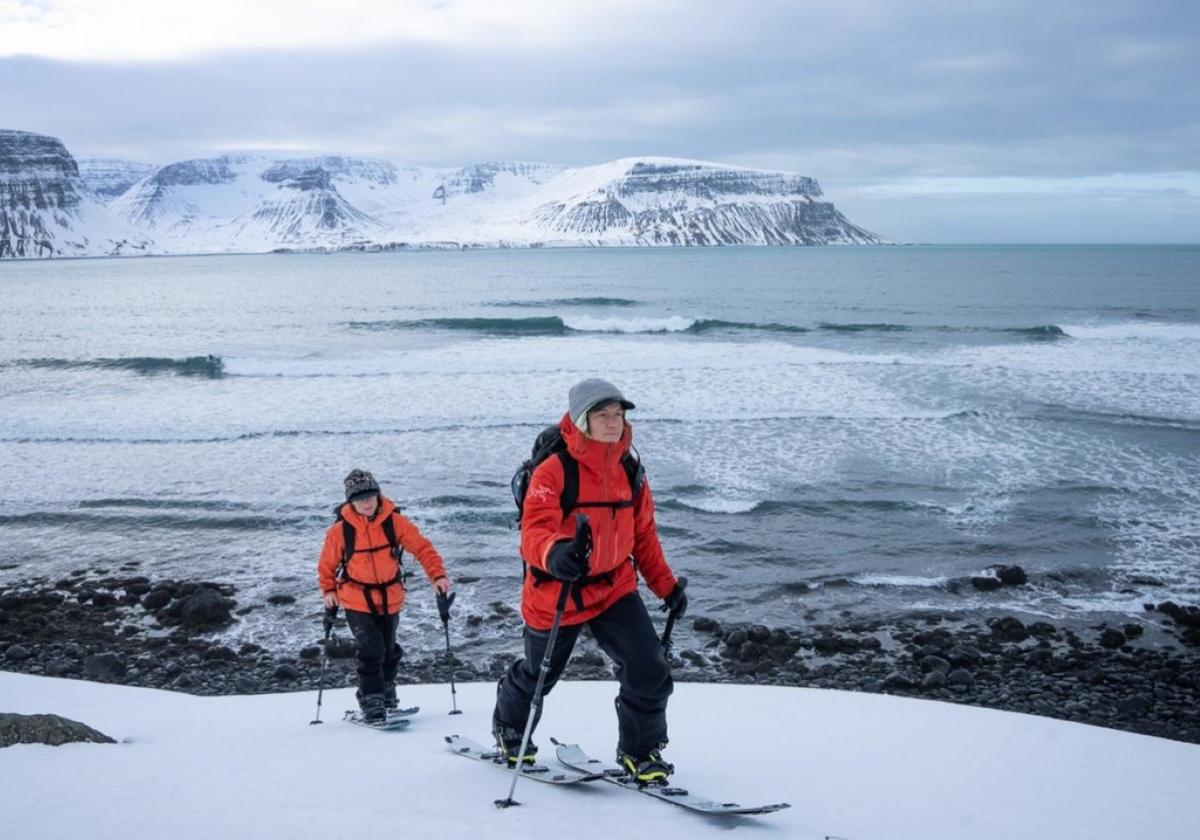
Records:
x=46, y=209
x=108, y=178
x=649, y=202
x=39, y=193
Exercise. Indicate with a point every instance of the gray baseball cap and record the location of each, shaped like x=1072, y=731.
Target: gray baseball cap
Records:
x=593, y=392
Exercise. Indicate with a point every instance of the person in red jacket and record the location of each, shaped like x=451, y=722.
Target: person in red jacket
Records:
x=367, y=582
x=598, y=556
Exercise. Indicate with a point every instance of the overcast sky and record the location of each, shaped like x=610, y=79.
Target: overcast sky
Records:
x=923, y=120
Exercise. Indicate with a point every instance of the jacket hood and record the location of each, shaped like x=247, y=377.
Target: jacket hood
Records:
x=581, y=447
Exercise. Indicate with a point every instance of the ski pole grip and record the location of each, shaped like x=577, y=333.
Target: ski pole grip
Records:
x=444, y=600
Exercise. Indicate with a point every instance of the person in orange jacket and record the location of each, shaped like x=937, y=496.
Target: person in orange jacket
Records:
x=367, y=581
x=598, y=557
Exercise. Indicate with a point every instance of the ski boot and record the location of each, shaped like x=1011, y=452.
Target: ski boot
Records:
x=649, y=769
x=390, y=701
x=508, y=740
x=373, y=710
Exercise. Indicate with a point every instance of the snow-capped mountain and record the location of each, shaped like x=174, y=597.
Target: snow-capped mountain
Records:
x=46, y=208
x=261, y=201
x=683, y=202
x=108, y=178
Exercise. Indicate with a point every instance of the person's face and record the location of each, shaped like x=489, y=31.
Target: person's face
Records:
x=366, y=506
x=607, y=423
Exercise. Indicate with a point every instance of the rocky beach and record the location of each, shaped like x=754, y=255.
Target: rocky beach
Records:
x=123, y=627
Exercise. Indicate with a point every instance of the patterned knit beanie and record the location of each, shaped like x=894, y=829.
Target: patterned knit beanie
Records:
x=360, y=484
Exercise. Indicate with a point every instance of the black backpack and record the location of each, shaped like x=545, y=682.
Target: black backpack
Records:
x=550, y=443
x=341, y=575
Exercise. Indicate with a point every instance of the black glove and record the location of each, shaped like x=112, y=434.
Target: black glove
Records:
x=676, y=602
x=330, y=617
x=444, y=600
x=569, y=560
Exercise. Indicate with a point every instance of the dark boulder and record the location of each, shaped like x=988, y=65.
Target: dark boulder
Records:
x=1009, y=629
x=18, y=653
x=964, y=656
x=960, y=677
x=340, y=648
x=898, y=679
x=935, y=663
x=986, y=583
x=46, y=729
x=933, y=680
x=286, y=673
x=1135, y=705
x=219, y=653
x=156, y=600
x=1011, y=575
x=1111, y=638
x=204, y=609
x=102, y=666
x=1183, y=616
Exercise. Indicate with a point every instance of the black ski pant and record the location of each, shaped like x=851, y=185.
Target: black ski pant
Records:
x=378, y=653
x=624, y=632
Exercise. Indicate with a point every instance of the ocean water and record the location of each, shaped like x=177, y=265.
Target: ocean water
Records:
x=828, y=432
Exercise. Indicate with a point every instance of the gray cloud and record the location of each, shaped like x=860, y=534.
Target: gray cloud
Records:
x=854, y=95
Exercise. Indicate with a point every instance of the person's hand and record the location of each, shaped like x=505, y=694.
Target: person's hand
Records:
x=442, y=585
x=568, y=560
x=330, y=599
x=676, y=602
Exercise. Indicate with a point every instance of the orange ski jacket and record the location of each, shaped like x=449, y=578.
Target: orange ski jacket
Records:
x=619, y=535
x=372, y=561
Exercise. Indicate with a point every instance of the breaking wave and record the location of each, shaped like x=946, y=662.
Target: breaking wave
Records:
x=210, y=367
x=555, y=325
x=125, y=523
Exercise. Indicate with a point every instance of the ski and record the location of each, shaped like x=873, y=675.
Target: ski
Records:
x=537, y=772
x=573, y=756
x=396, y=719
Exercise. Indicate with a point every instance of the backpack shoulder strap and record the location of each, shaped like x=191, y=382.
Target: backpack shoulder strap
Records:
x=570, y=492
x=634, y=471
x=389, y=531
x=348, y=535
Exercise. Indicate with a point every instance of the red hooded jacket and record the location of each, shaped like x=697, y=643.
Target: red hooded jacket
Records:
x=372, y=561
x=618, y=534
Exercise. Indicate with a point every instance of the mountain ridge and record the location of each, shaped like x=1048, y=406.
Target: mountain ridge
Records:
x=251, y=202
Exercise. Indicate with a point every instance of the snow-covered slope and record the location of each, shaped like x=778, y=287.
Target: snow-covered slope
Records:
x=260, y=201
x=108, y=178
x=854, y=766
x=46, y=208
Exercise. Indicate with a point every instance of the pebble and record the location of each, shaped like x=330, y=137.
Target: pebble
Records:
x=1107, y=676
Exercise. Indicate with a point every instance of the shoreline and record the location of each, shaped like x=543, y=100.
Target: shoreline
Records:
x=127, y=629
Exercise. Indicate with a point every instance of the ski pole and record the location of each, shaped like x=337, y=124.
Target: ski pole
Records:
x=330, y=617
x=671, y=617
x=535, y=705
x=443, y=602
